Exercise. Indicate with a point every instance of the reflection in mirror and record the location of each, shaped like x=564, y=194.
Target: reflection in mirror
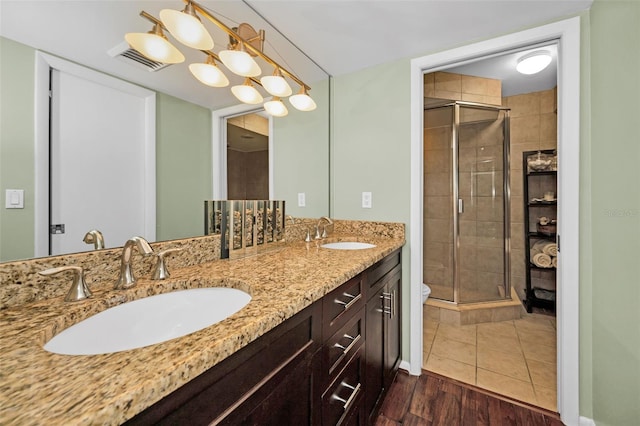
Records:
x=186, y=111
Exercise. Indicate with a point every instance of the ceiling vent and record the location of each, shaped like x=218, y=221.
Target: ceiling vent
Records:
x=131, y=56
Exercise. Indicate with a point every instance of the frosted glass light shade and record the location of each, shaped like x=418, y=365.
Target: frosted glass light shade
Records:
x=533, y=62
x=209, y=74
x=247, y=93
x=155, y=47
x=276, y=108
x=187, y=29
x=302, y=101
x=276, y=85
x=240, y=63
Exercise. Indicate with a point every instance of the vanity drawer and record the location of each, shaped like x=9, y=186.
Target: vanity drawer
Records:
x=340, y=347
x=380, y=269
x=341, y=305
x=344, y=396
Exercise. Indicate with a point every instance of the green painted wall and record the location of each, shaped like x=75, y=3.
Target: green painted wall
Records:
x=16, y=147
x=301, y=156
x=370, y=152
x=183, y=161
x=615, y=211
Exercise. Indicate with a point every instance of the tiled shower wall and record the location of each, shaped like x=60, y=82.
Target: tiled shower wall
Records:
x=533, y=127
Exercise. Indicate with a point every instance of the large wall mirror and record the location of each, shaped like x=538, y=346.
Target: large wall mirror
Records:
x=187, y=114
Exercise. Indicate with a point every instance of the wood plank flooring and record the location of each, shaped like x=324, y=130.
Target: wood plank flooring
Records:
x=436, y=400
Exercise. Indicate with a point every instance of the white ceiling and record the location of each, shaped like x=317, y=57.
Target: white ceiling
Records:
x=339, y=36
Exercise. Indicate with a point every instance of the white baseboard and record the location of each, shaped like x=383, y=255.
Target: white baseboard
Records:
x=585, y=421
x=404, y=365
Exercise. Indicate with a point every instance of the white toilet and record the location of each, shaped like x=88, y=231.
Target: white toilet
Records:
x=426, y=291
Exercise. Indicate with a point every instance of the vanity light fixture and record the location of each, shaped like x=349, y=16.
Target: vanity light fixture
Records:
x=186, y=27
x=276, y=107
x=209, y=73
x=533, y=62
x=245, y=45
x=302, y=101
x=155, y=45
x=246, y=93
x=276, y=84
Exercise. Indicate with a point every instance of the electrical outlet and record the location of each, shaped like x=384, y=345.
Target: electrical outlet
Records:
x=366, y=200
x=301, y=199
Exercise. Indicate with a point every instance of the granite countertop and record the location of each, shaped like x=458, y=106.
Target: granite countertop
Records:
x=40, y=387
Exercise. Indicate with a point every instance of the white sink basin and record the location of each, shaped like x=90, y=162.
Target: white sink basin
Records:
x=348, y=245
x=148, y=321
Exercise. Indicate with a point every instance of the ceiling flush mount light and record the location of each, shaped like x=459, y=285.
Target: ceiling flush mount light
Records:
x=276, y=107
x=247, y=93
x=533, y=62
x=154, y=45
x=186, y=27
x=209, y=73
x=245, y=46
x=276, y=84
x=302, y=101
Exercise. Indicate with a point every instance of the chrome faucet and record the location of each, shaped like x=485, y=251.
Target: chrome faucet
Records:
x=324, y=229
x=94, y=237
x=126, y=279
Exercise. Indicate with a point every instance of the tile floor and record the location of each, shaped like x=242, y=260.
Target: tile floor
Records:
x=514, y=358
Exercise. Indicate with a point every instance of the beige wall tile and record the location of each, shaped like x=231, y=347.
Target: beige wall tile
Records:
x=475, y=316
x=449, y=82
x=548, y=127
x=429, y=85
x=438, y=207
x=548, y=101
x=438, y=184
x=474, y=85
x=494, y=88
x=493, y=100
x=438, y=161
x=525, y=130
x=504, y=314
x=449, y=317
x=523, y=105
x=438, y=138
x=471, y=97
x=444, y=94
x=438, y=230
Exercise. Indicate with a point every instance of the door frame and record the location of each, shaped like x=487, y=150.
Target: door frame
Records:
x=219, y=147
x=567, y=35
x=43, y=62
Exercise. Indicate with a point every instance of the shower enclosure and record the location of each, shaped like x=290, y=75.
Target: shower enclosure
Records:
x=466, y=202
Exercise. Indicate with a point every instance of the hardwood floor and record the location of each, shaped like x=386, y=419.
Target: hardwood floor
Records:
x=436, y=400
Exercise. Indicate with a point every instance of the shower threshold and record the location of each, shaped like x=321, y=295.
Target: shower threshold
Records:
x=474, y=313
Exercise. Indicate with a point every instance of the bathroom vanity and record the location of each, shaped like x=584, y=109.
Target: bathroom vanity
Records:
x=318, y=343
x=329, y=364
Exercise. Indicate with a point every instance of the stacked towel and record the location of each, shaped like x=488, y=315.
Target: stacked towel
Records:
x=546, y=247
x=543, y=254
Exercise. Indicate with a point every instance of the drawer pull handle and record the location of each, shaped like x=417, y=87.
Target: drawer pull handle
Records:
x=351, y=302
x=347, y=402
x=346, y=349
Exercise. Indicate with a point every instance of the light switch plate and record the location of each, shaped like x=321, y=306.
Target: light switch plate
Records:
x=14, y=198
x=366, y=200
x=301, y=199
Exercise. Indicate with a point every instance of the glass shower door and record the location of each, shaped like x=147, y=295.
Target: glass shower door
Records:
x=483, y=208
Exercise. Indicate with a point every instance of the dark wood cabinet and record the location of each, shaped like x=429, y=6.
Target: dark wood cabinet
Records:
x=383, y=322
x=330, y=364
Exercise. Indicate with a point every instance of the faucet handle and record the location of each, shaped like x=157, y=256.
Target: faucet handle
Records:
x=160, y=271
x=79, y=289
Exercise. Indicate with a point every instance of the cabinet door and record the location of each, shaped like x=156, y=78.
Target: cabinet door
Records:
x=392, y=317
x=343, y=397
x=374, y=371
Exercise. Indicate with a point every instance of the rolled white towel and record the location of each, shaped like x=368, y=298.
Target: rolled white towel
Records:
x=546, y=247
x=554, y=262
x=540, y=259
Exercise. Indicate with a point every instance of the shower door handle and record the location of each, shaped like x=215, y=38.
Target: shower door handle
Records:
x=460, y=205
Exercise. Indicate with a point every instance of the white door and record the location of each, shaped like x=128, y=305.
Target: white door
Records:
x=97, y=163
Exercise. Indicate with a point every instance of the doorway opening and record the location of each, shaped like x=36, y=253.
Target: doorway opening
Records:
x=566, y=34
x=248, y=157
